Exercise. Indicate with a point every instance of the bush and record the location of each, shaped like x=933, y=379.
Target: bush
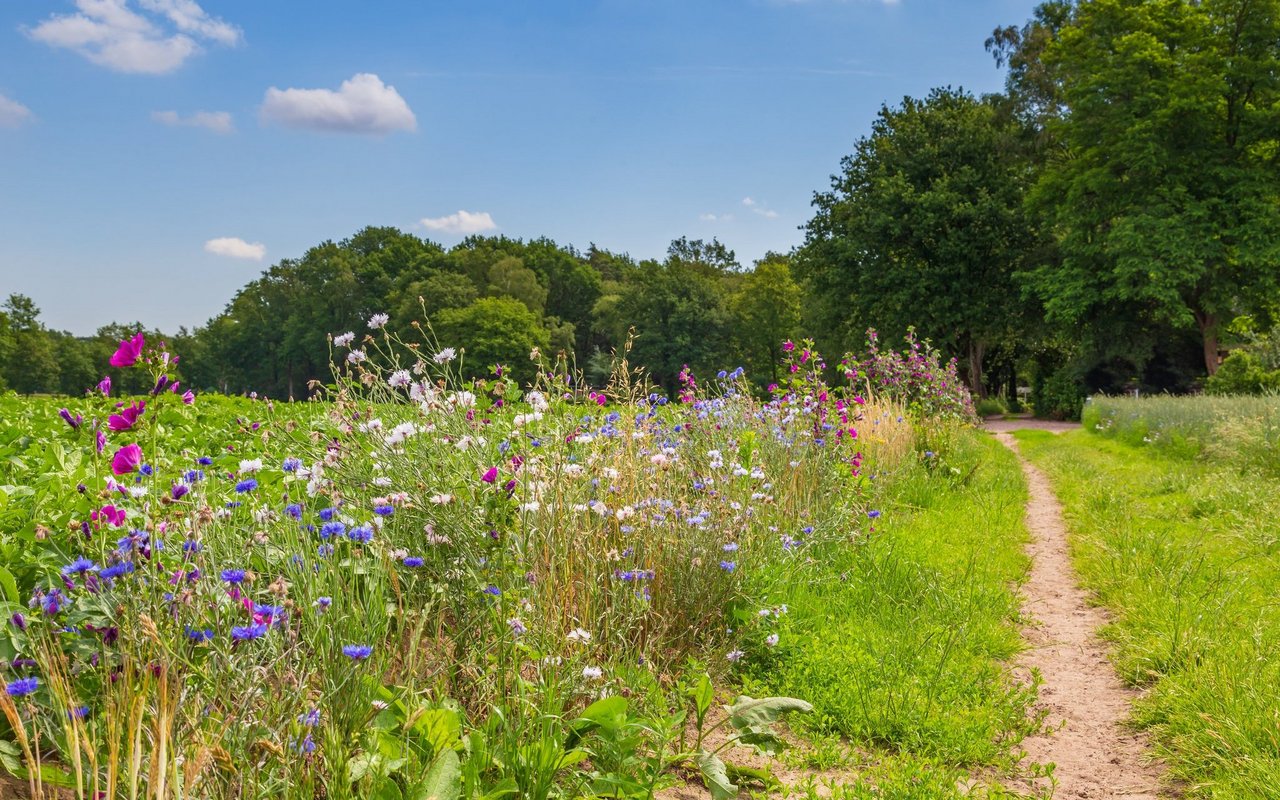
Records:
x=914, y=376
x=991, y=406
x=1058, y=394
x=1243, y=373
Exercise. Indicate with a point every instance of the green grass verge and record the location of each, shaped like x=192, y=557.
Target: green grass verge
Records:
x=901, y=642
x=1186, y=554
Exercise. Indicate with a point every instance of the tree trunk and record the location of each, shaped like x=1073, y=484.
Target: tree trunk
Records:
x=1209, y=334
x=976, y=352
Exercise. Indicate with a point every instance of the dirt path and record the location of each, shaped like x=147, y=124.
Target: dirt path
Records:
x=1095, y=755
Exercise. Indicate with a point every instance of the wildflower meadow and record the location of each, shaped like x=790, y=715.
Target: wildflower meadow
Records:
x=420, y=585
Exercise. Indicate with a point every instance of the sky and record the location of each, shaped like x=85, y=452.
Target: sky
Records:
x=156, y=155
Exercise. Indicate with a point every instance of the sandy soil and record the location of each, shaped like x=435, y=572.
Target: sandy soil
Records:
x=1095, y=754
x=1007, y=424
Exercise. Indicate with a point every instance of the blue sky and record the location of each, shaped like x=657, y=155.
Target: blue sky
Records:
x=157, y=154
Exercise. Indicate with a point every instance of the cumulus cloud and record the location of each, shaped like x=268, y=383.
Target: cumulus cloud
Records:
x=464, y=222
x=363, y=104
x=216, y=121
x=235, y=247
x=114, y=35
x=13, y=113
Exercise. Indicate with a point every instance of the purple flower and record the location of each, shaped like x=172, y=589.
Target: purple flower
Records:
x=127, y=353
x=323, y=603
x=728, y=566
x=127, y=418
x=356, y=652
x=104, y=386
x=490, y=475
x=178, y=490
x=126, y=459
x=74, y=422
x=22, y=687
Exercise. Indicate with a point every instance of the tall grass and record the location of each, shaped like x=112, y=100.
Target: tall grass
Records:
x=1239, y=430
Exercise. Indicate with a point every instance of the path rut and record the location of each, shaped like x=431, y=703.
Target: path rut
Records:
x=1095, y=754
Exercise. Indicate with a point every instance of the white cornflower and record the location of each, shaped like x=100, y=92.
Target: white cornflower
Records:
x=446, y=355
x=344, y=340
x=771, y=640
x=578, y=636
x=592, y=673
x=399, y=378
x=441, y=499
x=378, y=320
x=251, y=465
x=538, y=401
x=734, y=655
x=356, y=356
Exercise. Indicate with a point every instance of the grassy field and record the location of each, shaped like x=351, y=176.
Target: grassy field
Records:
x=903, y=643
x=1182, y=545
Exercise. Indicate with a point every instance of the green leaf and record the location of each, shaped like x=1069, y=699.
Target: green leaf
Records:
x=607, y=712
x=8, y=586
x=443, y=781
x=765, y=742
x=703, y=695
x=440, y=727
x=715, y=777
x=748, y=713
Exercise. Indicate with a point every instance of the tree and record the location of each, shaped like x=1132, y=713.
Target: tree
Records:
x=1164, y=195
x=924, y=227
x=509, y=277
x=32, y=365
x=766, y=312
x=494, y=330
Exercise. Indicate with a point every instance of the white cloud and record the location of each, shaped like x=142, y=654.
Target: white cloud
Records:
x=363, y=104
x=756, y=208
x=716, y=217
x=464, y=222
x=13, y=113
x=235, y=247
x=110, y=33
x=216, y=121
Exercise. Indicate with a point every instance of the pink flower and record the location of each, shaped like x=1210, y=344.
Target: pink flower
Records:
x=128, y=351
x=490, y=475
x=788, y=346
x=126, y=459
x=108, y=514
x=104, y=386
x=127, y=418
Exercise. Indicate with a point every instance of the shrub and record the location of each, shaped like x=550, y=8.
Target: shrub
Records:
x=914, y=376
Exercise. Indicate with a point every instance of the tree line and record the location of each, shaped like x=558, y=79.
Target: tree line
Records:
x=1110, y=221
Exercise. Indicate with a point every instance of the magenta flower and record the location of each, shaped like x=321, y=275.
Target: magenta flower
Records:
x=128, y=351
x=490, y=475
x=188, y=397
x=126, y=459
x=104, y=386
x=127, y=418
x=110, y=514
x=100, y=439
x=73, y=421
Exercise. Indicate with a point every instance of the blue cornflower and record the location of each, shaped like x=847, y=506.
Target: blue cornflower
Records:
x=233, y=575
x=493, y=590
x=294, y=510
x=243, y=633
x=234, y=504
x=356, y=652
x=728, y=566
x=873, y=514
x=324, y=550
x=311, y=718
x=80, y=712
x=362, y=534
x=268, y=614
x=79, y=567
x=326, y=514
x=384, y=511
x=413, y=561
x=246, y=485
x=330, y=529
x=204, y=461
x=146, y=469
x=197, y=635
x=117, y=570
x=52, y=601
x=291, y=464
x=22, y=687
x=193, y=475
x=323, y=603
x=731, y=547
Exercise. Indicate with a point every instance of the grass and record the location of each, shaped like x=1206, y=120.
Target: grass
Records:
x=903, y=642
x=1183, y=548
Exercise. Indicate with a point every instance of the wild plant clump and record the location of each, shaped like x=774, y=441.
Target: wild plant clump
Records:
x=427, y=586
x=914, y=376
